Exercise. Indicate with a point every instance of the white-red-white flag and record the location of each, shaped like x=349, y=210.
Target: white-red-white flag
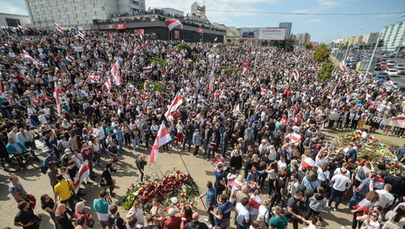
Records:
x=343, y=65
x=80, y=34
x=308, y=163
x=295, y=138
x=84, y=173
x=162, y=138
x=173, y=23
x=107, y=85
x=115, y=72
x=147, y=69
x=255, y=201
x=25, y=54
x=389, y=83
x=58, y=27
x=69, y=58
x=295, y=57
x=57, y=98
x=20, y=27
x=178, y=100
x=236, y=110
x=296, y=74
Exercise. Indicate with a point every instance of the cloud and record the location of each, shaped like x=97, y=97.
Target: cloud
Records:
x=327, y=3
x=13, y=7
x=314, y=20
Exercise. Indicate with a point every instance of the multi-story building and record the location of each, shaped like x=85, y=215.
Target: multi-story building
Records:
x=287, y=26
x=370, y=38
x=12, y=20
x=393, y=36
x=44, y=13
x=301, y=38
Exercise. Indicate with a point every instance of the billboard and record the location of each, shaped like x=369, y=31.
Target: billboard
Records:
x=274, y=33
x=120, y=26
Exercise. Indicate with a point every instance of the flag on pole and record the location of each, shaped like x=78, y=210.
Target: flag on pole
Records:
x=110, y=36
x=216, y=38
x=69, y=58
x=115, y=72
x=84, y=173
x=59, y=28
x=57, y=98
x=245, y=65
x=147, y=69
x=296, y=74
x=308, y=163
x=178, y=100
x=343, y=65
x=173, y=23
x=162, y=138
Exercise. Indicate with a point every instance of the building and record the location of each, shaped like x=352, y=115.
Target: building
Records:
x=174, y=12
x=44, y=13
x=393, y=36
x=370, y=38
x=198, y=11
x=301, y=38
x=12, y=20
x=232, y=35
x=287, y=26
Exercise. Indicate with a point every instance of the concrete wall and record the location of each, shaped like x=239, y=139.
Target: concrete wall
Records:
x=24, y=19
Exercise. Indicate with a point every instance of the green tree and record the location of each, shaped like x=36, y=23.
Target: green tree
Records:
x=325, y=72
x=308, y=45
x=287, y=45
x=321, y=53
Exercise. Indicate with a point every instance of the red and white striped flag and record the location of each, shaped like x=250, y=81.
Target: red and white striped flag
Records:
x=115, y=72
x=295, y=138
x=20, y=27
x=236, y=110
x=178, y=100
x=58, y=27
x=69, y=58
x=343, y=65
x=295, y=57
x=107, y=85
x=173, y=23
x=308, y=163
x=57, y=99
x=147, y=69
x=84, y=173
x=110, y=36
x=25, y=54
x=296, y=74
x=80, y=34
x=389, y=83
x=162, y=138
x=255, y=201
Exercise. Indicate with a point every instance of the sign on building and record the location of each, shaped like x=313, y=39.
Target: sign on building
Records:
x=272, y=34
x=120, y=26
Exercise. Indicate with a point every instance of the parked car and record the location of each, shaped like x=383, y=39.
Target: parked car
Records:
x=390, y=63
x=391, y=72
x=401, y=70
x=383, y=65
x=380, y=78
x=377, y=67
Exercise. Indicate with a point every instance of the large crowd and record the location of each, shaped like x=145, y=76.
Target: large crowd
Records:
x=260, y=125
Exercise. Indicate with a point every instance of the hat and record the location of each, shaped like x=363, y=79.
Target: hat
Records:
x=171, y=212
x=68, y=151
x=311, y=176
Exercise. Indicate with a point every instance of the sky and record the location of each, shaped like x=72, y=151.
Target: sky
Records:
x=260, y=13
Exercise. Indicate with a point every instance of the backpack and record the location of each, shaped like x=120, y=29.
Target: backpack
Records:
x=114, y=226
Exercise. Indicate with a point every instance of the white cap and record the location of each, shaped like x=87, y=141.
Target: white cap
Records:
x=171, y=212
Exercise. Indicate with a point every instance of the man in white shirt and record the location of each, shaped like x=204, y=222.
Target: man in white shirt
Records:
x=242, y=218
x=386, y=198
x=341, y=183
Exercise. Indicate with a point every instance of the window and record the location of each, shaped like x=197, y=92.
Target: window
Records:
x=13, y=22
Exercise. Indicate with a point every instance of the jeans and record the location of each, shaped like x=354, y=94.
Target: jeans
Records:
x=335, y=194
x=355, y=198
x=120, y=144
x=211, y=217
x=196, y=150
x=136, y=143
x=97, y=158
x=71, y=202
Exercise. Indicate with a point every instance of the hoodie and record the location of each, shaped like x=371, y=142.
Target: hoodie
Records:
x=317, y=202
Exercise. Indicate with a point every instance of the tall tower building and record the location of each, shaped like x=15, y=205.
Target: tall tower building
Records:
x=287, y=26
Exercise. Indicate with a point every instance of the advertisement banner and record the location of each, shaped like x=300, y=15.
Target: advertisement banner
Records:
x=120, y=26
x=272, y=34
x=199, y=30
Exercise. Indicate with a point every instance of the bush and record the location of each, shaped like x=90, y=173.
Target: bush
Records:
x=158, y=86
x=325, y=73
x=227, y=70
x=321, y=53
x=160, y=62
x=184, y=46
x=308, y=45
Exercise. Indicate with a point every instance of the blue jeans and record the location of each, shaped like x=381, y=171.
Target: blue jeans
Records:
x=136, y=143
x=337, y=196
x=355, y=198
x=97, y=158
x=120, y=144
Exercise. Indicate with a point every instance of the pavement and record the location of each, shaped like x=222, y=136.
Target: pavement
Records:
x=201, y=170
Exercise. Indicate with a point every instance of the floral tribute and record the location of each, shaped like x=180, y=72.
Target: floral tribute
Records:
x=176, y=189
x=369, y=148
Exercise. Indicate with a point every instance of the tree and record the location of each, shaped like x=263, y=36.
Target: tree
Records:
x=308, y=45
x=321, y=53
x=325, y=72
x=287, y=45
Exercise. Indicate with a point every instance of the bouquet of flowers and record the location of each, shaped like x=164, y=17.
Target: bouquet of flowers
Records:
x=175, y=189
x=370, y=149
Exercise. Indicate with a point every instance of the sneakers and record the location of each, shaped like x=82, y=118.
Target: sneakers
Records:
x=206, y=220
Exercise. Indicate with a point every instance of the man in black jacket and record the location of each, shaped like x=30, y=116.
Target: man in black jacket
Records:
x=195, y=224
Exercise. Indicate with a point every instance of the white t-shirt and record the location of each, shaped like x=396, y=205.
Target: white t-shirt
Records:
x=386, y=198
x=243, y=214
x=341, y=182
x=263, y=213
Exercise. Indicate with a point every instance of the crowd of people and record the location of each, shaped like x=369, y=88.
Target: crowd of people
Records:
x=260, y=125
